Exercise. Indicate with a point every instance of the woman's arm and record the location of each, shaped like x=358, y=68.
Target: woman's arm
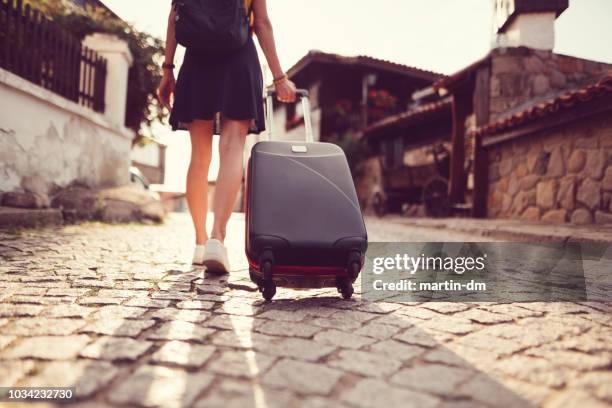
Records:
x=265, y=35
x=167, y=85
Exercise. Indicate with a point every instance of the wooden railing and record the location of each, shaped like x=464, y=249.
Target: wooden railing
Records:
x=41, y=51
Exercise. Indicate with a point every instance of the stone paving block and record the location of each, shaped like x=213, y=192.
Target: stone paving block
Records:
x=116, y=348
x=174, y=286
x=597, y=382
x=277, y=328
x=357, y=316
x=512, y=310
x=573, y=359
x=302, y=377
x=244, y=364
x=284, y=315
x=93, y=283
x=417, y=313
x=366, y=363
x=210, y=297
x=444, y=355
x=397, y=350
x=185, y=315
x=29, y=291
x=533, y=370
x=233, y=393
x=42, y=300
x=484, y=317
x=68, y=311
x=239, y=307
x=72, y=292
x=445, y=307
x=88, y=377
x=46, y=347
x=172, y=295
x=155, y=386
x=134, y=285
x=119, y=312
x=183, y=354
x=148, y=303
x=97, y=301
x=433, y=378
x=3, y=322
x=13, y=371
x=395, y=319
x=336, y=323
x=343, y=340
x=484, y=388
x=9, y=310
x=42, y=326
x=377, y=330
x=231, y=322
x=178, y=330
x=118, y=327
x=370, y=393
x=496, y=346
x=122, y=293
x=195, y=305
x=6, y=340
x=298, y=349
x=450, y=324
x=243, y=339
x=417, y=336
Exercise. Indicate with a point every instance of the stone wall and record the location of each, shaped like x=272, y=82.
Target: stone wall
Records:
x=558, y=175
x=520, y=76
x=47, y=141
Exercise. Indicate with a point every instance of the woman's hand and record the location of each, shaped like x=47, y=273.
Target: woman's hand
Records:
x=165, y=92
x=285, y=91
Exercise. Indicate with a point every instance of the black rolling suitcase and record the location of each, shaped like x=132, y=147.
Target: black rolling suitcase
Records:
x=304, y=227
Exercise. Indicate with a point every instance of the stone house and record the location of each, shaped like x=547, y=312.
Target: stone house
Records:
x=347, y=94
x=553, y=161
x=523, y=119
x=63, y=110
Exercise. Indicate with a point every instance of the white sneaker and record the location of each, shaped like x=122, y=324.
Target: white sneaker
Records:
x=198, y=255
x=215, y=257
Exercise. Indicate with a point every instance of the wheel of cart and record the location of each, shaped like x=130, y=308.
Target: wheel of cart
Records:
x=435, y=197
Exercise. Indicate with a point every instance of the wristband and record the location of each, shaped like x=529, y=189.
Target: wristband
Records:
x=168, y=66
x=278, y=81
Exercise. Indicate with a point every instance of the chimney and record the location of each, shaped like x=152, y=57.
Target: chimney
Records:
x=526, y=23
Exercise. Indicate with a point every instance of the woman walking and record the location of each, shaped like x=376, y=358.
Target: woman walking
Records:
x=230, y=85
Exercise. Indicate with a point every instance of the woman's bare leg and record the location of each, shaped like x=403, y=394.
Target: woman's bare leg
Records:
x=231, y=154
x=201, y=132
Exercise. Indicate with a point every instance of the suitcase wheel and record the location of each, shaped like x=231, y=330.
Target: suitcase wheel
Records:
x=345, y=287
x=268, y=288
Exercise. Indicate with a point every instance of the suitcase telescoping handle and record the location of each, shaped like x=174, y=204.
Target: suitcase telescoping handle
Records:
x=303, y=95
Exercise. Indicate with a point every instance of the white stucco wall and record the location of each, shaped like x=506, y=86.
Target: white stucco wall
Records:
x=57, y=141
x=147, y=154
x=533, y=30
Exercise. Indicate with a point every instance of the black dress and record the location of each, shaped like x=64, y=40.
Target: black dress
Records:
x=228, y=85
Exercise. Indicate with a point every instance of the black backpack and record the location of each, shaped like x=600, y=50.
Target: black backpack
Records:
x=218, y=26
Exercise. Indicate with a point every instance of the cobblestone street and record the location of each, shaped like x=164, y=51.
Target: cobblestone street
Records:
x=120, y=313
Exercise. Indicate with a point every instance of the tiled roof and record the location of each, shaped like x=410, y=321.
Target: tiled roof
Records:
x=460, y=76
x=361, y=60
x=409, y=115
x=548, y=107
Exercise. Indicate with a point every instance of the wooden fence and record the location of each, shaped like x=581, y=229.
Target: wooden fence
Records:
x=41, y=51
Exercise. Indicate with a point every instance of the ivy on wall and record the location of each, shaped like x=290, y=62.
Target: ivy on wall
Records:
x=143, y=107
